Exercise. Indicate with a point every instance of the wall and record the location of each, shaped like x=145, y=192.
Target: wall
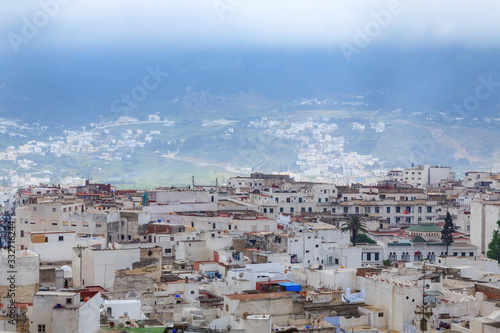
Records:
x=63, y=251
x=27, y=275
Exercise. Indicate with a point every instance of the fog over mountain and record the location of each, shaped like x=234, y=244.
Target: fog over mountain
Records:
x=67, y=64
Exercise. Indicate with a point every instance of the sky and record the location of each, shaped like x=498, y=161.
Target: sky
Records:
x=87, y=25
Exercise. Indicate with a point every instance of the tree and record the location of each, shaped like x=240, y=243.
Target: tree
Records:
x=355, y=225
x=363, y=238
x=447, y=232
x=494, y=245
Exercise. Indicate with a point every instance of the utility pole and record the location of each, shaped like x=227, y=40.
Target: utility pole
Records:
x=192, y=181
x=216, y=184
x=423, y=310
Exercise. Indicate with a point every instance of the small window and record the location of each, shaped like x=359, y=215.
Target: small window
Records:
x=86, y=224
x=380, y=314
x=54, y=209
x=98, y=225
x=73, y=223
x=22, y=233
x=192, y=292
x=34, y=209
x=54, y=222
x=65, y=223
x=69, y=300
x=61, y=238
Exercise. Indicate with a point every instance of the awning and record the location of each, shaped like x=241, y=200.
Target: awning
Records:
x=290, y=286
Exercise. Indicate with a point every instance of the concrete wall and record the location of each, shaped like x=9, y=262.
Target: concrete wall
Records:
x=26, y=266
x=63, y=251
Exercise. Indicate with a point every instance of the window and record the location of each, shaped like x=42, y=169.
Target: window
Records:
x=319, y=199
x=122, y=237
x=429, y=209
x=265, y=210
x=291, y=209
x=463, y=254
x=388, y=210
x=22, y=233
x=73, y=223
x=281, y=209
x=271, y=210
x=398, y=209
x=86, y=224
x=326, y=199
x=455, y=254
x=300, y=200
x=213, y=225
x=54, y=222
x=98, y=224
x=287, y=199
x=310, y=209
x=368, y=257
x=346, y=210
x=376, y=256
x=168, y=250
x=420, y=209
x=333, y=210
x=61, y=238
x=41, y=329
x=69, y=300
x=65, y=223
x=380, y=314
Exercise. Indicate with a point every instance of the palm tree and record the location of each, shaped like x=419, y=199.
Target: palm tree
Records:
x=354, y=226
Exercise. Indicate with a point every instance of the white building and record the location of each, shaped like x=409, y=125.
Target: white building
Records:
x=65, y=311
x=484, y=216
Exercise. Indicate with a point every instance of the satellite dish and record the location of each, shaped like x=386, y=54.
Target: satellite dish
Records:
x=234, y=278
x=183, y=319
x=241, y=274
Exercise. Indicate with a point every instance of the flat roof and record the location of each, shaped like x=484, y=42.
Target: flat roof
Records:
x=259, y=296
x=56, y=293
